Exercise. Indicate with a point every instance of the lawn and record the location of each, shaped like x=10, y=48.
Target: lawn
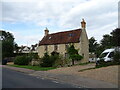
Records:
x=37, y=68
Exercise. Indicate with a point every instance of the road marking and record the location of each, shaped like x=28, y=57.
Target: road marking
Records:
x=55, y=81
x=42, y=78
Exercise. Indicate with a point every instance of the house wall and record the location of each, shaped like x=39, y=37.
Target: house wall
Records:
x=41, y=51
x=84, y=46
x=61, y=49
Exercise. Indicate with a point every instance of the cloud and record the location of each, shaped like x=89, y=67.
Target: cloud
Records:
x=27, y=38
x=101, y=15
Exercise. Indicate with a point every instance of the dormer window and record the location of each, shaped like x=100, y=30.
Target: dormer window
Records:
x=71, y=35
x=49, y=37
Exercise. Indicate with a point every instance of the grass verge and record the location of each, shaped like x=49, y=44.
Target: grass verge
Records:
x=36, y=68
x=86, y=69
x=86, y=63
x=96, y=67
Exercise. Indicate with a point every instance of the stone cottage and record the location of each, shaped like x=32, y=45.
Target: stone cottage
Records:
x=59, y=42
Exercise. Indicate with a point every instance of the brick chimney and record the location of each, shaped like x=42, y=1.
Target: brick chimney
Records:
x=83, y=24
x=46, y=31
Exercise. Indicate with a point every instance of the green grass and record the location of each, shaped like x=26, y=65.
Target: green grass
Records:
x=87, y=69
x=86, y=63
x=36, y=68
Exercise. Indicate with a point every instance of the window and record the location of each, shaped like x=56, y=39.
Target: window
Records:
x=103, y=55
x=55, y=47
x=111, y=55
x=46, y=48
x=83, y=54
x=66, y=55
x=66, y=46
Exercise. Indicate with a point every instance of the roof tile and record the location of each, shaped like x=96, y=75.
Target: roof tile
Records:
x=72, y=36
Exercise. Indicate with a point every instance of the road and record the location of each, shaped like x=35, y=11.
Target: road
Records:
x=14, y=79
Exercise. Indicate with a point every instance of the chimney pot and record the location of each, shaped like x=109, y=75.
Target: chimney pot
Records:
x=83, y=24
x=46, y=31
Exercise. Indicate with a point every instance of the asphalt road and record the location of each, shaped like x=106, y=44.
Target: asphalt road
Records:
x=14, y=79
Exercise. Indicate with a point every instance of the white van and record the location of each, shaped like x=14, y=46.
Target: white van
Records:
x=107, y=55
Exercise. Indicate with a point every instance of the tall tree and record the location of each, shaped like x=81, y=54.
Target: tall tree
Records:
x=7, y=40
x=107, y=42
x=92, y=45
x=116, y=37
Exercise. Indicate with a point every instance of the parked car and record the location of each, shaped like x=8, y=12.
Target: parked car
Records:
x=92, y=59
x=4, y=61
x=107, y=55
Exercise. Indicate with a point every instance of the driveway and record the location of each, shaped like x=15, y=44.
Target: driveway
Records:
x=107, y=74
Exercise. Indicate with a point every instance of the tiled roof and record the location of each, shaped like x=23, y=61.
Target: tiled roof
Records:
x=72, y=36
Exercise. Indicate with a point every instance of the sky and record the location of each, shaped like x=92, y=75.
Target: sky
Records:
x=27, y=19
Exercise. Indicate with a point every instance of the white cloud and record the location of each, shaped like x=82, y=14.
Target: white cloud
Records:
x=101, y=15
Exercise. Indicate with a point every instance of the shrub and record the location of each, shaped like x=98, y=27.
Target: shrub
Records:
x=116, y=56
x=22, y=60
x=59, y=61
x=48, y=61
x=33, y=55
x=76, y=57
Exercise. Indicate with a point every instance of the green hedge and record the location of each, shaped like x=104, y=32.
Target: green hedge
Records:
x=48, y=61
x=22, y=60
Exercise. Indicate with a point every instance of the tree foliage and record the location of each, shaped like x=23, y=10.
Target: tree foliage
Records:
x=93, y=44
x=109, y=41
x=73, y=54
x=7, y=40
x=48, y=61
x=116, y=37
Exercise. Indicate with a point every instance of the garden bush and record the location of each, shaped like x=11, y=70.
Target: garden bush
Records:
x=59, y=61
x=117, y=56
x=22, y=60
x=48, y=61
x=33, y=55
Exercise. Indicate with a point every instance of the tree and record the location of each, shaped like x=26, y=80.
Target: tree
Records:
x=7, y=40
x=106, y=42
x=109, y=41
x=116, y=37
x=16, y=47
x=93, y=44
x=73, y=54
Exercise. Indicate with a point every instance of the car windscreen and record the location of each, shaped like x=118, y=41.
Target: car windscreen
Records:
x=103, y=54
x=111, y=55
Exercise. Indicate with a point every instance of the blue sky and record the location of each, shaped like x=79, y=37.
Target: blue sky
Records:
x=27, y=19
